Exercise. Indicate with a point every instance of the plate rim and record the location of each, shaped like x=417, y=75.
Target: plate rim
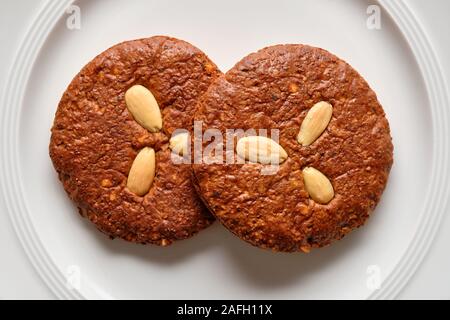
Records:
x=11, y=184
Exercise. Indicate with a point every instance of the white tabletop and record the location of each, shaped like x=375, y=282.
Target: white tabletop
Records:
x=18, y=279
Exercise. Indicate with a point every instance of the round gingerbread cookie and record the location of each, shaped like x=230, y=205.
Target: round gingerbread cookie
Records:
x=334, y=148
x=99, y=138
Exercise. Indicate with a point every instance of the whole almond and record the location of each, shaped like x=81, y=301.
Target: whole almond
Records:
x=315, y=123
x=318, y=185
x=261, y=149
x=179, y=143
x=142, y=172
x=143, y=106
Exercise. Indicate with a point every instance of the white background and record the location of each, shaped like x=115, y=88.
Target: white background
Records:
x=19, y=280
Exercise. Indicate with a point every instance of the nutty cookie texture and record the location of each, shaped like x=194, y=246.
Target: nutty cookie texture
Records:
x=96, y=139
x=333, y=130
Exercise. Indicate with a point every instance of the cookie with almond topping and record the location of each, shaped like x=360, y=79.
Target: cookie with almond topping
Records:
x=96, y=139
x=333, y=129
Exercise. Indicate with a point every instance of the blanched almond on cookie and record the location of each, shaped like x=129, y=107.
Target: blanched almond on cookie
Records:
x=142, y=172
x=315, y=123
x=179, y=143
x=318, y=185
x=261, y=149
x=143, y=106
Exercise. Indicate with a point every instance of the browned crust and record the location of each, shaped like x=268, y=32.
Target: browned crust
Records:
x=274, y=88
x=95, y=139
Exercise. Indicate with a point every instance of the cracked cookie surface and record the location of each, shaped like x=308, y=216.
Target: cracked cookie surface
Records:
x=275, y=88
x=95, y=139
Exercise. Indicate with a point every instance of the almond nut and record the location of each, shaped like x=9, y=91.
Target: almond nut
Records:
x=318, y=185
x=315, y=123
x=142, y=172
x=143, y=106
x=179, y=143
x=261, y=149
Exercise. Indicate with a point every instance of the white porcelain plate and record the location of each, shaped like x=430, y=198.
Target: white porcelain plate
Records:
x=77, y=261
